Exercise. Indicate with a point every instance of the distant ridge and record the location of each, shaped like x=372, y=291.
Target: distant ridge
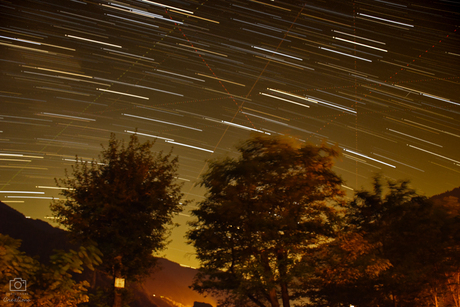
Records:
x=454, y=192
x=38, y=237
x=170, y=285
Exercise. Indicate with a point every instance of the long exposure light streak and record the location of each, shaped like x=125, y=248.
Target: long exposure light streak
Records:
x=161, y=121
x=367, y=157
x=434, y=154
x=21, y=192
x=190, y=146
x=345, y=54
x=387, y=20
x=92, y=41
x=278, y=53
x=284, y=99
x=359, y=44
x=243, y=127
x=398, y=162
x=67, y=116
x=360, y=37
x=167, y=6
x=414, y=137
x=120, y=93
x=34, y=197
x=149, y=135
x=20, y=155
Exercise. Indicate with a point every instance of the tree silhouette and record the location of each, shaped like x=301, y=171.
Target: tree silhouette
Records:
x=397, y=249
x=27, y=282
x=263, y=212
x=124, y=203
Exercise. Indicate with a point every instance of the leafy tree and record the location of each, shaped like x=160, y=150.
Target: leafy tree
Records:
x=124, y=203
x=448, y=292
x=346, y=270
x=46, y=285
x=398, y=249
x=263, y=212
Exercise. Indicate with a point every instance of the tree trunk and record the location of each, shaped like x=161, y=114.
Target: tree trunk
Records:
x=256, y=301
x=454, y=289
x=457, y=300
x=117, y=299
x=281, y=256
x=285, y=295
x=93, y=281
x=272, y=297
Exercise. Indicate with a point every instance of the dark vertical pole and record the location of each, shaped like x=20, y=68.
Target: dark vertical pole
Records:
x=117, y=300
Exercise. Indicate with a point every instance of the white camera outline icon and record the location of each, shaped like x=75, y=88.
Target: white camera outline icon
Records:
x=22, y=284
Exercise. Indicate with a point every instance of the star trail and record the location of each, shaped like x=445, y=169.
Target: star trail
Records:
x=378, y=78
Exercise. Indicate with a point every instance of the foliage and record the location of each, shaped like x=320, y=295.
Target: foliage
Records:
x=263, y=212
x=397, y=249
x=125, y=203
x=46, y=285
x=98, y=297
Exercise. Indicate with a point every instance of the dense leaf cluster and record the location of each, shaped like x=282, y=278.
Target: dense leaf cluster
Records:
x=397, y=249
x=263, y=212
x=274, y=229
x=124, y=203
x=45, y=285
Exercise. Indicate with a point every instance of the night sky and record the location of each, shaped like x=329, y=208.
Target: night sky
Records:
x=378, y=78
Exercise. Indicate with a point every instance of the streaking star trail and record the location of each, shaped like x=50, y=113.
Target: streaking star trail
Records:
x=379, y=79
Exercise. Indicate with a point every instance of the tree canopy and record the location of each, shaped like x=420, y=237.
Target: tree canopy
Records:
x=45, y=285
x=124, y=202
x=263, y=212
x=397, y=248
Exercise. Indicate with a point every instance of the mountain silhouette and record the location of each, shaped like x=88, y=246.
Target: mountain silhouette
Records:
x=452, y=193
x=168, y=286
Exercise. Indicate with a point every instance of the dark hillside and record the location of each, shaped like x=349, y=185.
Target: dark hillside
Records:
x=455, y=193
x=38, y=237
x=168, y=287
x=173, y=282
